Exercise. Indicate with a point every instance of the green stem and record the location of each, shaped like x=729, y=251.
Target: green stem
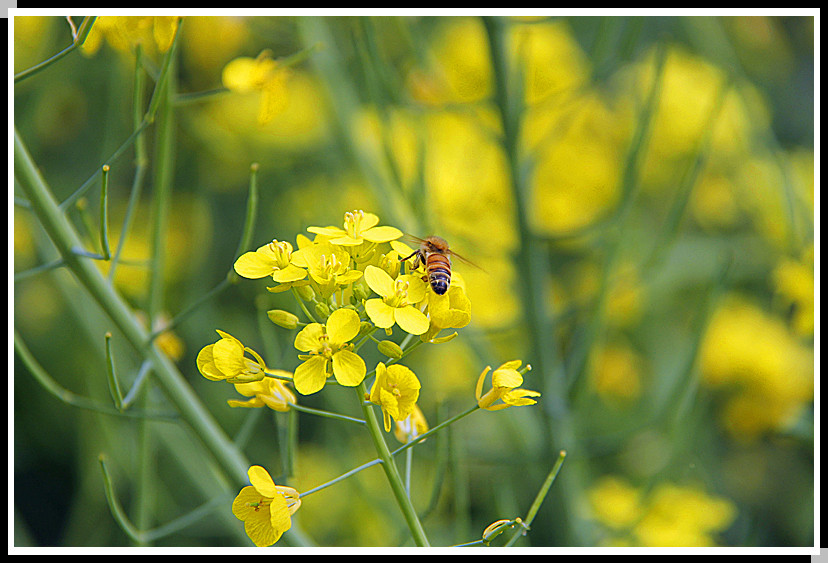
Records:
x=440, y=426
x=327, y=414
x=544, y=490
x=179, y=392
x=391, y=473
x=342, y=477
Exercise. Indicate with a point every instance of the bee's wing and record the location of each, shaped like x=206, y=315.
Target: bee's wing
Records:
x=466, y=261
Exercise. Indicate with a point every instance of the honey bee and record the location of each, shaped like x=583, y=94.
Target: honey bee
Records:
x=435, y=255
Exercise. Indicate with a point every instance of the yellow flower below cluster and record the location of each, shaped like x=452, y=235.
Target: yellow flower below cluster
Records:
x=395, y=390
x=265, y=508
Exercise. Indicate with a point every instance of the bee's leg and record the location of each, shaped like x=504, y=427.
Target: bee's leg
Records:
x=419, y=258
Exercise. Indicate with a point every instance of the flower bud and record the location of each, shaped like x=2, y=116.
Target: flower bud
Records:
x=283, y=319
x=359, y=292
x=390, y=349
x=305, y=292
x=322, y=310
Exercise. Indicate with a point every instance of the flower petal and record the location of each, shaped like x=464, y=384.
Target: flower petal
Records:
x=327, y=231
x=478, y=391
x=417, y=288
x=206, y=365
x=342, y=326
x=289, y=274
x=308, y=338
x=381, y=315
x=228, y=356
x=261, y=479
x=348, y=368
x=411, y=320
x=379, y=281
x=310, y=376
x=254, y=265
x=279, y=515
x=508, y=378
x=520, y=397
x=381, y=234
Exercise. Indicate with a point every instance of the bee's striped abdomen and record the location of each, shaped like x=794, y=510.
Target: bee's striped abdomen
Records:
x=438, y=268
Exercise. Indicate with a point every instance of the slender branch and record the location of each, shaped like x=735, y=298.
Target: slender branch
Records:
x=179, y=392
x=391, y=473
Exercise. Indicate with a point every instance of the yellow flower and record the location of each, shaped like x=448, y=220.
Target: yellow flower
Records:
x=766, y=372
x=265, y=508
x=273, y=259
x=615, y=502
x=263, y=75
x=408, y=429
x=359, y=227
x=225, y=361
x=328, y=266
x=683, y=516
x=397, y=299
x=395, y=390
x=450, y=310
x=329, y=351
x=793, y=282
x=154, y=33
x=270, y=392
x=506, y=381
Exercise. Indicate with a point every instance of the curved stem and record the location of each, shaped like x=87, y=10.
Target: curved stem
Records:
x=397, y=485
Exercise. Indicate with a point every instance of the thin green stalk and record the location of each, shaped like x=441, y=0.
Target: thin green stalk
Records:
x=70, y=398
x=77, y=194
x=114, y=386
x=302, y=306
x=49, y=266
x=434, y=430
x=536, y=504
x=345, y=475
x=145, y=536
x=391, y=473
x=161, y=199
x=250, y=214
x=77, y=41
x=141, y=161
x=179, y=392
x=327, y=414
x=104, y=219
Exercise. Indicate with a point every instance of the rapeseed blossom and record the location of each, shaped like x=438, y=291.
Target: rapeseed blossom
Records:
x=262, y=75
x=269, y=392
x=154, y=34
x=396, y=305
x=669, y=515
x=272, y=259
x=265, y=508
x=329, y=353
x=506, y=382
x=353, y=280
x=225, y=360
x=396, y=390
x=359, y=226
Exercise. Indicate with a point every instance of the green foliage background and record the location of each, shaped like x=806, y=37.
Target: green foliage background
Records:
x=638, y=190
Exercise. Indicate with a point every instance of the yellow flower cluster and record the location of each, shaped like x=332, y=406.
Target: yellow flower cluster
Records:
x=766, y=372
x=668, y=516
x=350, y=282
